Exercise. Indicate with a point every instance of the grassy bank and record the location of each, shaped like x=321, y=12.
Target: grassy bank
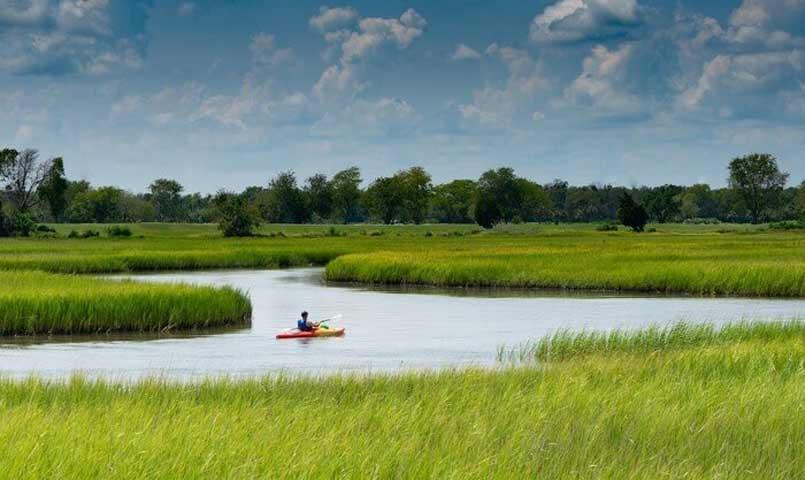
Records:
x=567, y=344
x=42, y=303
x=682, y=258
x=728, y=410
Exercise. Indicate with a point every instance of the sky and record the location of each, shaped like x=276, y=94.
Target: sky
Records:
x=228, y=93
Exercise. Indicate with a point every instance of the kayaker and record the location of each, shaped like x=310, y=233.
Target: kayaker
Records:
x=305, y=325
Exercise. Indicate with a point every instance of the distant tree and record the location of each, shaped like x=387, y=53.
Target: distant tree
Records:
x=662, y=203
x=319, y=194
x=284, y=202
x=235, y=217
x=384, y=199
x=452, y=202
x=799, y=201
x=101, y=205
x=498, y=197
x=631, y=214
x=416, y=189
x=166, y=197
x=346, y=193
x=5, y=226
x=697, y=201
x=759, y=181
x=53, y=189
x=557, y=191
x=587, y=204
x=21, y=174
x=535, y=205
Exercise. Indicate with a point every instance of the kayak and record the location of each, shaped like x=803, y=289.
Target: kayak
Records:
x=319, y=332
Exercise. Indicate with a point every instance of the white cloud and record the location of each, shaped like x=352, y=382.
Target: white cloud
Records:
x=265, y=52
x=767, y=23
x=600, y=82
x=186, y=9
x=333, y=18
x=464, y=52
x=50, y=37
x=356, y=46
x=127, y=104
x=715, y=68
x=575, y=20
x=386, y=116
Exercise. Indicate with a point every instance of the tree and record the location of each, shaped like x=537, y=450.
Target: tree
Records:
x=235, y=217
x=5, y=226
x=346, y=195
x=166, y=197
x=416, y=189
x=759, y=181
x=498, y=197
x=22, y=173
x=799, y=201
x=662, y=203
x=452, y=202
x=384, y=199
x=535, y=205
x=284, y=202
x=101, y=205
x=697, y=201
x=631, y=214
x=54, y=189
x=319, y=194
x=557, y=192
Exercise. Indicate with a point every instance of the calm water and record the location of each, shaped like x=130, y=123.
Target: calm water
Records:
x=387, y=330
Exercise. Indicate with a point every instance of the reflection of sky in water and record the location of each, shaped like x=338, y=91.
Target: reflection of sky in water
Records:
x=387, y=329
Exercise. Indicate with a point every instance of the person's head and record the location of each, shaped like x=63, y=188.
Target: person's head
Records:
x=304, y=315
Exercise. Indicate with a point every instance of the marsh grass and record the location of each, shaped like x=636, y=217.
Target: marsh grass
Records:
x=727, y=410
x=43, y=303
x=567, y=344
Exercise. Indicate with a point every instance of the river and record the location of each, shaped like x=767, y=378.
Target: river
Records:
x=389, y=329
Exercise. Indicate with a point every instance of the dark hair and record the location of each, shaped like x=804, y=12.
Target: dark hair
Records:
x=304, y=313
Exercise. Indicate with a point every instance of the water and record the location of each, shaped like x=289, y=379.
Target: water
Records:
x=387, y=329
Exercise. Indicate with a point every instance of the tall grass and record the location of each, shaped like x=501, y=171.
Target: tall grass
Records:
x=43, y=303
x=566, y=344
x=726, y=411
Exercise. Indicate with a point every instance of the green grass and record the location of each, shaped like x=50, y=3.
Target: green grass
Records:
x=566, y=344
x=726, y=410
x=41, y=303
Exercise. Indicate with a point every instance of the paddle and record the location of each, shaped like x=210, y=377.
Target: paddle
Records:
x=334, y=318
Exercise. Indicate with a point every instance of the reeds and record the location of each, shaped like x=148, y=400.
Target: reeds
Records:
x=43, y=303
x=728, y=410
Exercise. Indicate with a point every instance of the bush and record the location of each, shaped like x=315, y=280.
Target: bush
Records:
x=792, y=225
x=89, y=234
x=334, y=232
x=72, y=234
x=607, y=227
x=235, y=217
x=118, y=231
x=702, y=221
x=631, y=214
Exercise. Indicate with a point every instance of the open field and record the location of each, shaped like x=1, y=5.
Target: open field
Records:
x=683, y=258
x=726, y=410
x=43, y=303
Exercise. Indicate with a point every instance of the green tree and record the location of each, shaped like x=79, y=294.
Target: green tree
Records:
x=346, y=195
x=284, y=202
x=759, y=181
x=166, y=197
x=319, y=194
x=535, y=205
x=452, y=202
x=557, y=191
x=101, y=205
x=697, y=201
x=631, y=214
x=498, y=197
x=236, y=218
x=416, y=190
x=384, y=199
x=662, y=203
x=54, y=189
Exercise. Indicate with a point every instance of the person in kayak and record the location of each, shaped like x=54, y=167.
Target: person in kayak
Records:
x=305, y=325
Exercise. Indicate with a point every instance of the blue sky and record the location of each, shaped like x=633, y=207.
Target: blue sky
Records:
x=229, y=93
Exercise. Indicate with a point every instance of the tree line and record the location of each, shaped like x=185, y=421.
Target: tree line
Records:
x=36, y=190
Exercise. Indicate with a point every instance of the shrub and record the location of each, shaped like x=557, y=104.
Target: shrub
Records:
x=631, y=214
x=792, y=225
x=73, y=234
x=607, y=227
x=118, y=231
x=235, y=217
x=89, y=234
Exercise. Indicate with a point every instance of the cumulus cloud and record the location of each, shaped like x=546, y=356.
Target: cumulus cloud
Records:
x=386, y=116
x=576, y=20
x=464, y=52
x=359, y=45
x=497, y=107
x=265, y=52
x=600, y=83
x=768, y=23
x=329, y=19
x=51, y=37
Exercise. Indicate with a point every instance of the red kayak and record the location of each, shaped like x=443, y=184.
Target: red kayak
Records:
x=317, y=332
